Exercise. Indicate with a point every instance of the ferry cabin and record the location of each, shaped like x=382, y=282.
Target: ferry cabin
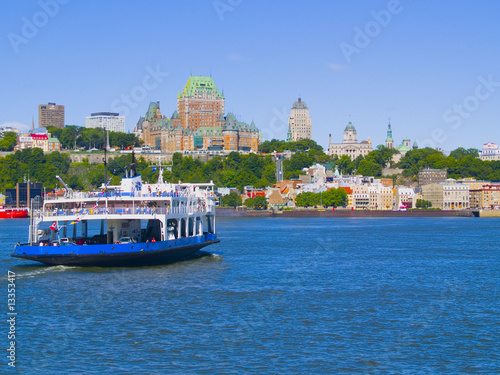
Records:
x=185, y=210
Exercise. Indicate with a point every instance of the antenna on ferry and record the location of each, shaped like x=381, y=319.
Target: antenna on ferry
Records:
x=133, y=171
x=105, y=160
x=160, y=171
x=105, y=168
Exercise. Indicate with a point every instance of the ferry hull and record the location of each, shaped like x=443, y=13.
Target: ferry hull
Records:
x=104, y=256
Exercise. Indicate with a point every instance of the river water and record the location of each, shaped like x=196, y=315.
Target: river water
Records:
x=276, y=295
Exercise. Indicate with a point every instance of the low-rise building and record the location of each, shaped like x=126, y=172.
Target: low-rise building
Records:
x=431, y=176
x=488, y=196
x=404, y=197
x=39, y=140
x=473, y=184
x=360, y=197
x=381, y=197
x=448, y=195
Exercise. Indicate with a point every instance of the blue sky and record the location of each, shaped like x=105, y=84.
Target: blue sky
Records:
x=433, y=69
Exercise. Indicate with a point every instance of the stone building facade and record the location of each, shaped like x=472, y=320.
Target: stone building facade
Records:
x=350, y=145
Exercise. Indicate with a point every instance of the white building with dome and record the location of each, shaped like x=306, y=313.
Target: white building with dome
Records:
x=350, y=145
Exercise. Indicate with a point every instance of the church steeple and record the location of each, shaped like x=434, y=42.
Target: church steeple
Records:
x=289, y=134
x=389, y=142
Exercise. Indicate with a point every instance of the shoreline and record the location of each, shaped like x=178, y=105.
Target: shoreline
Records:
x=242, y=212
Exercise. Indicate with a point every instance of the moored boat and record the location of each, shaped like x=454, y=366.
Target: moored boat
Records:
x=13, y=213
x=131, y=224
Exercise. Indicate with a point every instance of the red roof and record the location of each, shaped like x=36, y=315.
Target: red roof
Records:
x=347, y=189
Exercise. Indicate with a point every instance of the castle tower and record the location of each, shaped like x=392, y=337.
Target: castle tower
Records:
x=200, y=104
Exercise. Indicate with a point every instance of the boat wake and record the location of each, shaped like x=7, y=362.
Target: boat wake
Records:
x=39, y=271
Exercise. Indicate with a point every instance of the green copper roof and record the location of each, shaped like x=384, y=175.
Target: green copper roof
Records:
x=150, y=114
x=208, y=130
x=299, y=104
x=402, y=148
x=198, y=84
x=389, y=134
x=350, y=126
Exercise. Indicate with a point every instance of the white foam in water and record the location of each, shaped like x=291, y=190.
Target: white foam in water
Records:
x=42, y=271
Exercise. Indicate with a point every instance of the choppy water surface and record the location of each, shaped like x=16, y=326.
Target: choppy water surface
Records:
x=301, y=296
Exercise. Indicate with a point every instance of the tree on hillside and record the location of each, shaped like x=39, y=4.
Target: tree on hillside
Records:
x=345, y=165
x=280, y=146
x=417, y=159
x=8, y=141
x=369, y=168
x=461, y=152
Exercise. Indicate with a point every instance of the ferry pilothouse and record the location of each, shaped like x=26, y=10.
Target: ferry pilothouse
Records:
x=131, y=224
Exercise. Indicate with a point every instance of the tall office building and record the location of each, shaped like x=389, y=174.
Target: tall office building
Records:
x=299, y=122
x=106, y=120
x=51, y=115
x=200, y=104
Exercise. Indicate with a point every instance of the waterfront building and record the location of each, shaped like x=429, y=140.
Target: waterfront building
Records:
x=448, y=195
x=106, y=120
x=299, y=122
x=488, y=196
x=490, y=151
x=200, y=104
x=431, y=176
x=380, y=197
x=51, y=115
x=473, y=183
x=350, y=145
x=276, y=198
x=404, y=197
x=360, y=197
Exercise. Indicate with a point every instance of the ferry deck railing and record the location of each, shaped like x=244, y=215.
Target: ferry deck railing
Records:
x=192, y=209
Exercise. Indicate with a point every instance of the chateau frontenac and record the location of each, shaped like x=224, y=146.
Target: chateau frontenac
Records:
x=198, y=123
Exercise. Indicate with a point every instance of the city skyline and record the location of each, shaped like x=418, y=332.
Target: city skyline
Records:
x=429, y=68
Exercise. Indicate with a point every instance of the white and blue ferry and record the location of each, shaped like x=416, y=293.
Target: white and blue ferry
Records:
x=131, y=224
